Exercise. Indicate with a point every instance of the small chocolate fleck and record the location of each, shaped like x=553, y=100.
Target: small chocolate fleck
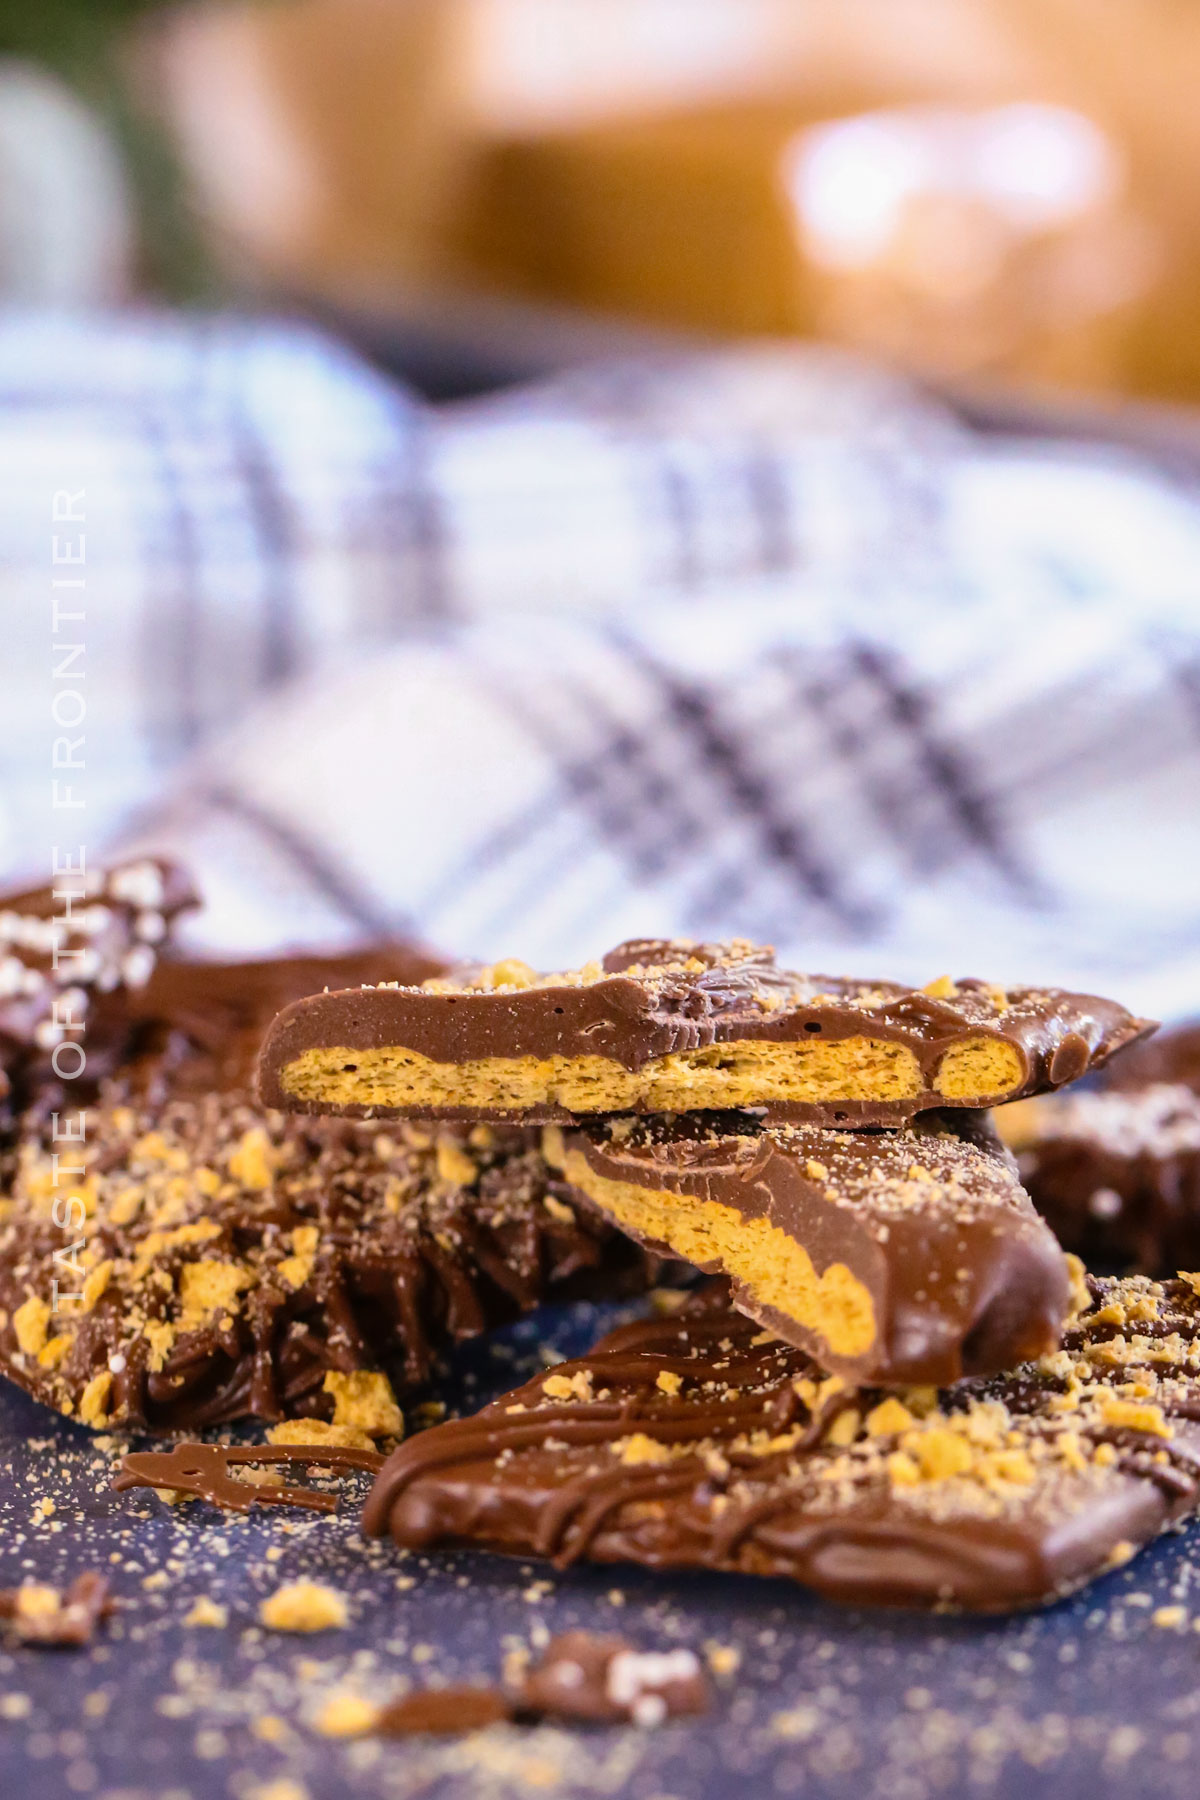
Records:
x=205, y=1471
x=444, y=1712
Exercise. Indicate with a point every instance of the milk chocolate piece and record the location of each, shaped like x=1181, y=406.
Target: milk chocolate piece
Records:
x=690, y=1443
x=32, y=1614
x=912, y=1255
x=70, y=954
x=204, y=1260
x=1117, y=1174
x=600, y=1679
x=581, y=1676
x=677, y=1027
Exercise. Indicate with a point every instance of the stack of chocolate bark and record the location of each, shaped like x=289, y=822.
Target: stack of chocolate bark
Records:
x=898, y=1388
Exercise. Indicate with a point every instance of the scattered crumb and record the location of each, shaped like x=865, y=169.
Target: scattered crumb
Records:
x=207, y=1612
x=346, y=1715
x=304, y=1606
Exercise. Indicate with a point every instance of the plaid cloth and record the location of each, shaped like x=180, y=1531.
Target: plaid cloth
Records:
x=761, y=641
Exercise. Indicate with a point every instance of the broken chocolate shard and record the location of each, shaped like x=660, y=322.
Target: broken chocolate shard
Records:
x=196, y=1026
x=692, y=1443
x=675, y=1026
x=602, y=1679
x=909, y=1256
x=207, y=1472
x=52, y=1619
x=1171, y=1056
x=583, y=1677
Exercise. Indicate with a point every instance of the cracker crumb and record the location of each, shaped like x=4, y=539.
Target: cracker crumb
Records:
x=304, y=1606
x=346, y=1715
x=204, y=1611
x=723, y=1659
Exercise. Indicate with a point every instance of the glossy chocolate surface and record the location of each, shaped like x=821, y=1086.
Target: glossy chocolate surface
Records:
x=653, y=998
x=197, y=1026
x=926, y=1230
x=688, y=1442
x=232, y=1260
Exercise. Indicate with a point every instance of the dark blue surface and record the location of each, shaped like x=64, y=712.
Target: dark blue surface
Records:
x=1090, y=1698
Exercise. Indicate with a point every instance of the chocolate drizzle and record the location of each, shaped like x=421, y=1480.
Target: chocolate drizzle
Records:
x=206, y=1471
x=340, y=1246
x=695, y=1443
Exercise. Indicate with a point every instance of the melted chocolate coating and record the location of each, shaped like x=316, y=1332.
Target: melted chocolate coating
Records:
x=652, y=998
x=925, y=1233
x=691, y=1443
x=207, y=1472
x=197, y=1027
x=416, y=1242
x=323, y=1246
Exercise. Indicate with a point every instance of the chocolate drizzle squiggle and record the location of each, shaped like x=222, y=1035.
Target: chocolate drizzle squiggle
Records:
x=698, y=1442
x=204, y=1470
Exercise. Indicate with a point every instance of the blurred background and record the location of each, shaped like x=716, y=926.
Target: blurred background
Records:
x=984, y=188
x=635, y=464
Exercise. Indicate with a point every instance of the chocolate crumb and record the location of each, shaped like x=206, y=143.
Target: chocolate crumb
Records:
x=53, y=1619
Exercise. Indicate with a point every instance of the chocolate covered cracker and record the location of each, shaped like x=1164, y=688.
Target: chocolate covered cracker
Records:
x=692, y=1443
x=202, y=1260
x=679, y=1027
x=912, y=1255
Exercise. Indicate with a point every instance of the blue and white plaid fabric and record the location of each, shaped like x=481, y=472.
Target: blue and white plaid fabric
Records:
x=760, y=641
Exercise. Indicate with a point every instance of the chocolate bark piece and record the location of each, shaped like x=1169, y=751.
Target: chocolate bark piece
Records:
x=197, y=1026
x=603, y=1679
x=582, y=1676
x=674, y=1026
x=214, y=1261
x=70, y=955
x=692, y=1443
x=912, y=1255
x=1171, y=1056
x=1116, y=1173
x=52, y=1618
